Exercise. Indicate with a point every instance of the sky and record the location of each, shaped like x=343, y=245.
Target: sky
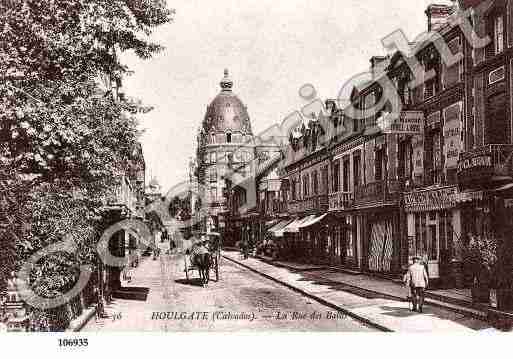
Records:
x=270, y=47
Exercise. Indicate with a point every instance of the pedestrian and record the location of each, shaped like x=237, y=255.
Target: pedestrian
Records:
x=99, y=303
x=418, y=280
x=245, y=248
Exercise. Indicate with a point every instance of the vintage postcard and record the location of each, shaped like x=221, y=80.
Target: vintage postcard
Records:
x=255, y=166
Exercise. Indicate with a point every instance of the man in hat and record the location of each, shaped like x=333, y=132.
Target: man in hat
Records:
x=418, y=280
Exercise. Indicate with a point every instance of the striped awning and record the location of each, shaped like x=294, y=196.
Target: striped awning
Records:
x=312, y=221
x=294, y=226
x=277, y=229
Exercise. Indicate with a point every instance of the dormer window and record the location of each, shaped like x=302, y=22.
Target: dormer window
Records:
x=228, y=138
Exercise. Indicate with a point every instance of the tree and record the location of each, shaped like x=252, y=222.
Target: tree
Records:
x=66, y=130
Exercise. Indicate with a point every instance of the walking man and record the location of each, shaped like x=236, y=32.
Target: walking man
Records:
x=418, y=280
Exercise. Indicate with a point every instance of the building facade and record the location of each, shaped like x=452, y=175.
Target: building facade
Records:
x=418, y=162
x=227, y=159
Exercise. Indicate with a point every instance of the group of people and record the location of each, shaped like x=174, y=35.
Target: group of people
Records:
x=417, y=280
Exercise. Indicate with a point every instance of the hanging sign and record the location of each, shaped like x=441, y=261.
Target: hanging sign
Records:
x=407, y=122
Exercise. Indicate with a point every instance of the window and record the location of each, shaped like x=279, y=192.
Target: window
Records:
x=349, y=239
x=429, y=89
x=497, y=126
x=378, y=164
x=306, y=185
x=228, y=138
x=213, y=174
x=405, y=156
x=431, y=85
x=212, y=157
x=315, y=183
x=498, y=38
x=239, y=157
x=345, y=175
x=335, y=176
x=212, y=138
x=213, y=193
x=404, y=91
x=324, y=180
x=356, y=169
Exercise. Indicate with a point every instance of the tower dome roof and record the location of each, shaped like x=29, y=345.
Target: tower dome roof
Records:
x=226, y=111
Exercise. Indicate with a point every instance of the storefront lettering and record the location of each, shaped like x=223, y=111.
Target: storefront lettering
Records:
x=429, y=200
x=411, y=122
x=478, y=161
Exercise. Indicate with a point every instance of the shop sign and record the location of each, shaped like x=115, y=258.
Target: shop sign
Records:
x=475, y=162
x=430, y=200
x=452, y=136
x=409, y=122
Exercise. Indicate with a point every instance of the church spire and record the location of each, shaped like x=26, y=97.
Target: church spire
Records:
x=226, y=83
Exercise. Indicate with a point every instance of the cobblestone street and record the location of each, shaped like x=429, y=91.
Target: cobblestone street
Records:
x=171, y=297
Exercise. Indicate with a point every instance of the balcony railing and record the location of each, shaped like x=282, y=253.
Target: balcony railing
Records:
x=317, y=203
x=340, y=200
x=379, y=191
x=482, y=163
x=272, y=208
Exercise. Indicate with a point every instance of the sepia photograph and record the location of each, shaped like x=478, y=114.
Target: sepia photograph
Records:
x=253, y=167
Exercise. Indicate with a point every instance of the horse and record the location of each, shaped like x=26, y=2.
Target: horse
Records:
x=203, y=262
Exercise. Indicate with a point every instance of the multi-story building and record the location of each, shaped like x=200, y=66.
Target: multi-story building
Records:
x=227, y=159
x=305, y=180
x=485, y=164
x=125, y=200
x=398, y=167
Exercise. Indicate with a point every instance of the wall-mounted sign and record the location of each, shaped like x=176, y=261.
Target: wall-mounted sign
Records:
x=480, y=161
x=410, y=122
x=420, y=201
x=452, y=135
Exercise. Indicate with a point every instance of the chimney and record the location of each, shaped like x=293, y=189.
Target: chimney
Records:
x=378, y=65
x=437, y=15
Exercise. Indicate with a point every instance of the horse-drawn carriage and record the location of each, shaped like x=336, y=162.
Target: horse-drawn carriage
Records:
x=204, y=256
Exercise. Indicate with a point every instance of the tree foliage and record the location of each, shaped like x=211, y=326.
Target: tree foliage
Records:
x=66, y=130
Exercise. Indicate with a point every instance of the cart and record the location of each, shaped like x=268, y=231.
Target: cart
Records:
x=214, y=247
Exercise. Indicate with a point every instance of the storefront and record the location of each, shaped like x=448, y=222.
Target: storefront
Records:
x=434, y=228
x=313, y=239
x=341, y=243
x=295, y=246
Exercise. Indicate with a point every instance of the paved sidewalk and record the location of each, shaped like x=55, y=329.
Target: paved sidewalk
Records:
x=376, y=301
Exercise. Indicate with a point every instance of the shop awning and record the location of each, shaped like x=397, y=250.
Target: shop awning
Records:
x=294, y=226
x=272, y=223
x=506, y=187
x=277, y=229
x=313, y=221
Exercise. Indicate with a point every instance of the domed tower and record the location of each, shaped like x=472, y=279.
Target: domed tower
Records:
x=225, y=143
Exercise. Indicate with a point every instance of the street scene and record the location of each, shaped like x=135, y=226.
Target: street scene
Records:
x=260, y=302
x=164, y=168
